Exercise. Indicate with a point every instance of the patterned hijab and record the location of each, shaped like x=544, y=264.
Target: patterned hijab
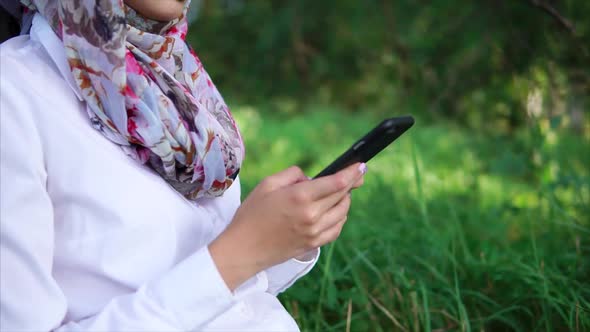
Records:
x=147, y=91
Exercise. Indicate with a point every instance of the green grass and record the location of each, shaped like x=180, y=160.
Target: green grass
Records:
x=454, y=230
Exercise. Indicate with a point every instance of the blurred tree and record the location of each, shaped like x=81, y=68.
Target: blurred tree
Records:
x=448, y=57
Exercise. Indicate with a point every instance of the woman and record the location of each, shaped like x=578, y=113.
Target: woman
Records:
x=120, y=200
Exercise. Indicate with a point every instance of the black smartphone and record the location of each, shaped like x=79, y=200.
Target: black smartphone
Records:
x=371, y=144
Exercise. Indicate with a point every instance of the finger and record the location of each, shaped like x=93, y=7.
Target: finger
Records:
x=358, y=183
x=341, y=181
x=329, y=201
x=333, y=233
x=284, y=178
x=335, y=214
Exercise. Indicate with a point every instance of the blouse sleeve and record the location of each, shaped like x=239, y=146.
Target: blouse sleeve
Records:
x=282, y=276
x=187, y=297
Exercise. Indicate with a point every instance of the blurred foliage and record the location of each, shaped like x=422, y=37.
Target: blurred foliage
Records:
x=453, y=230
x=477, y=218
x=475, y=61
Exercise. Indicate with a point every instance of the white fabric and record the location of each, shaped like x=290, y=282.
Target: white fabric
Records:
x=92, y=241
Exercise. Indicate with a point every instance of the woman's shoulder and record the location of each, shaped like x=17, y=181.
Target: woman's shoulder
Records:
x=25, y=63
x=15, y=46
x=30, y=81
x=34, y=93
x=19, y=53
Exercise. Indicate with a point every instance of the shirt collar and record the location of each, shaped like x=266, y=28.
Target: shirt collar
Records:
x=44, y=34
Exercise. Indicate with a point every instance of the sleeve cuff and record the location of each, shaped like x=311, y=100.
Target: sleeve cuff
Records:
x=193, y=290
x=282, y=276
x=309, y=257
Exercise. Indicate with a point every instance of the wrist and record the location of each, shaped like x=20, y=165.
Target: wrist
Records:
x=234, y=258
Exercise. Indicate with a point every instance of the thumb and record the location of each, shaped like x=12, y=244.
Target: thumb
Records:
x=285, y=178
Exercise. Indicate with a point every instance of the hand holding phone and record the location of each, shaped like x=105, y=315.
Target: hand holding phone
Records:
x=371, y=144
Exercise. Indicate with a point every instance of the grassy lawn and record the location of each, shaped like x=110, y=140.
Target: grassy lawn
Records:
x=454, y=230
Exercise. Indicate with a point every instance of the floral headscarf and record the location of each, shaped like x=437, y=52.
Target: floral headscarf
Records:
x=147, y=91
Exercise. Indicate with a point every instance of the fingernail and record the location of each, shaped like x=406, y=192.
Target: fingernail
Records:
x=363, y=168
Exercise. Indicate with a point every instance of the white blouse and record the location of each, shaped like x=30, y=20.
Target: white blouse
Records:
x=93, y=241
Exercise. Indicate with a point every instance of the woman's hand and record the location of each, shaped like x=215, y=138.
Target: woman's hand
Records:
x=285, y=216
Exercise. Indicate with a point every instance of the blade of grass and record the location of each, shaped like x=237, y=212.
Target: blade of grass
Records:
x=425, y=309
x=387, y=313
x=348, y=315
x=325, y=278
x=418, y=179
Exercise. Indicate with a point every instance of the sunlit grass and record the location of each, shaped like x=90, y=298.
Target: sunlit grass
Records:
x=453, y=230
